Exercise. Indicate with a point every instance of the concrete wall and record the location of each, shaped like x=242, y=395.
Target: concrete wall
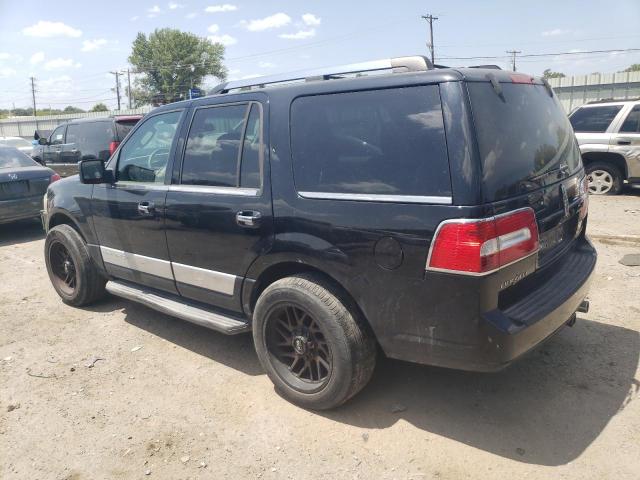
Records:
x=26, y=126
x=581, y=89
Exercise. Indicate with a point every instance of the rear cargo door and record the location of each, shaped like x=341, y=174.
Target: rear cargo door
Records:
x=530, y=158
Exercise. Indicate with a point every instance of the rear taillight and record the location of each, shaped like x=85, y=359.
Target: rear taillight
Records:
x=112, y=147
x=54, y=178
x=482, y=246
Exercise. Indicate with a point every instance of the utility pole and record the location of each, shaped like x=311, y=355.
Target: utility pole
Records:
x=430, y=18
x=117, y=74
x=513, y=54
x=129, y=87
x=33, y=94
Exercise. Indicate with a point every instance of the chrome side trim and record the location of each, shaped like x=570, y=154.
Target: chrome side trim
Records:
x=133, y=261
x=364, y=197
x=203, y=278
x=244, y=192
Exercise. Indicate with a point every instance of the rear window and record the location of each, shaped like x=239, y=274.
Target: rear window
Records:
x=522, y=135
x=14, y=158
x=382, y=142
x=123, y=127
x=594, y=119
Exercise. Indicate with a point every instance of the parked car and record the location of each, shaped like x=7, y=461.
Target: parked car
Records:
x=91, y=138
x=609, y=138
x=22, y=185
x=17, y=142
x=437, y=213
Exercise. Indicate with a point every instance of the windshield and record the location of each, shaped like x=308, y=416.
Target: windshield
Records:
x=12, y=158
x=523, y=135
x=15, y=142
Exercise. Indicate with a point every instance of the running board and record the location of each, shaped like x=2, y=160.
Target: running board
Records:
x=165, y=303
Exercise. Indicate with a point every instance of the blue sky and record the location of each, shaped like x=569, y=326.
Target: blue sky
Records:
x=70, y=46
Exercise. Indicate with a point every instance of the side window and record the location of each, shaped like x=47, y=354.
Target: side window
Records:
x=213, y=146
x=377, y=142
x=632, y=123
x=250, y=163
x=144, y=157
x=57, y=137
x=594, y=119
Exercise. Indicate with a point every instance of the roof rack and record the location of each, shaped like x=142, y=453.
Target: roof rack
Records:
x=612, y=100
x=488, y=67
x=415, y=63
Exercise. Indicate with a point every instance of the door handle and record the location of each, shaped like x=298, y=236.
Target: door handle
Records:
x=624, y=141
x=248, y=218
x=74, y=150
x=146, y=208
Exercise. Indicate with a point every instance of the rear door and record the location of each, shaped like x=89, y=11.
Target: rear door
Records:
x=627, y=141
x=128, y=216
x=88, y=140
x=529, y=158
x=219, y=215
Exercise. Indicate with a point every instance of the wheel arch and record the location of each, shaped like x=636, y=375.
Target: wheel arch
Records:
x=63, y=218
x=612, y=158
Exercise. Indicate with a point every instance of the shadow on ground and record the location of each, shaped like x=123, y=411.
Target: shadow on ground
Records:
x=20, y=232
x=546, y=409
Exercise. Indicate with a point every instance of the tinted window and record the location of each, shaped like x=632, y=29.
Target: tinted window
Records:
x=13, y=158
x=250, y=166
x=57, y=137
x=92, y=138
x=144, y=156
x=594, y=119
x=123, y=127
x=632, y=122
x=213, y=146
x=522, y=135
x=374, y=142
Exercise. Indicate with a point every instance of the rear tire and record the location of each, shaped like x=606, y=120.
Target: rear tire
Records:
x=312, y=343
x=72, y=271
x=604, y=178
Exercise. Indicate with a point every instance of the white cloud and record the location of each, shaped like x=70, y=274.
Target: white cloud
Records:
x=47, y=29
x=5, y=56
x=57, y=63
x=36, y=58
x=311, y=20
x=555, y=32
x=153, y=11
x=7, y=72
x=225, y=40
x=191, y=15
x=213, y=28
x=91, y=45
x=225, y=7
x=134, y=18
x=174, y=6
x=266, y=64
x=273, y=21
x=299, y=35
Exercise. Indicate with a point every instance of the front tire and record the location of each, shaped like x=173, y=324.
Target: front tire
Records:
x=312, y=343
x=604, y=179
x=72, y=271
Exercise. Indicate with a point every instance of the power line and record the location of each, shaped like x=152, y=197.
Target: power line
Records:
x=430, y=19
x=530, y=55
x=513, y=54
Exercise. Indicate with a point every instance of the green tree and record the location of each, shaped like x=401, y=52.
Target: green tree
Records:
x=71, y=109
x=633, y=68
x=170, y=62
x=99, y=107
x=550, y=74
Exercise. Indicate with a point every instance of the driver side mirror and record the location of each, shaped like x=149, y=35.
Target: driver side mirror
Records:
x=43, y=141
x=93, y=172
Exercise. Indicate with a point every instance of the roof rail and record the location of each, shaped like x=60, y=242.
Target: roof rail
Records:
x=612, y=100
x=488, y=67
x=416, y=63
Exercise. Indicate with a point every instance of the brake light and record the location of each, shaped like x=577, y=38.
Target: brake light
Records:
x=112, y=147
x=520, y=78
x=54, y=178
x=482, y=246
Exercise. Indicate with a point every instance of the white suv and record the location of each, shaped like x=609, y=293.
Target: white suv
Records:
x=609, y=138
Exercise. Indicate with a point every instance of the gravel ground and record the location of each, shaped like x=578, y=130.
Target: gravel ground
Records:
x=119, y=391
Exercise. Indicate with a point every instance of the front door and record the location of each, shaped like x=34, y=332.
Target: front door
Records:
x=51, y=151
x=128, y=216
x=219, y=215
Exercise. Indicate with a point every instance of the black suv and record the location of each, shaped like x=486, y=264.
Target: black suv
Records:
x=84, y=139
x=438, y=214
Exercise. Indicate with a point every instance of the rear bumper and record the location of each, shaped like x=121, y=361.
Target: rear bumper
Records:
x=20, y=209
x=498, y=336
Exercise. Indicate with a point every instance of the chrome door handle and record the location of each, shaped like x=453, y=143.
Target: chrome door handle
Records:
x=146, y=208
x=624, y=141
x=248, y=218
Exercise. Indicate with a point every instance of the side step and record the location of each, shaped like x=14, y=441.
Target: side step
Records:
x=165, y=303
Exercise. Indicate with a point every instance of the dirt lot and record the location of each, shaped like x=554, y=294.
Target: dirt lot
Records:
x=171, y=400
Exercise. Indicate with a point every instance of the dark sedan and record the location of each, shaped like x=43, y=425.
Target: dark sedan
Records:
x=23, y=183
